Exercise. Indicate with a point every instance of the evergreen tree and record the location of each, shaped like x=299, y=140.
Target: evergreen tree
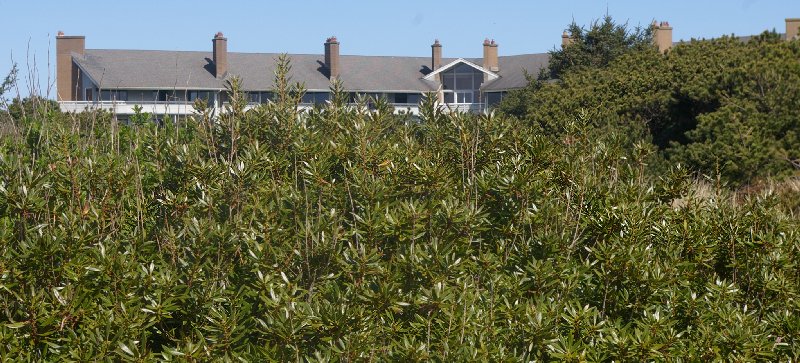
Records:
x=725, y=107
x=597, y=46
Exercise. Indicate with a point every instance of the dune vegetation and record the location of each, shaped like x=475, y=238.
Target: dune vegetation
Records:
x=565, y=227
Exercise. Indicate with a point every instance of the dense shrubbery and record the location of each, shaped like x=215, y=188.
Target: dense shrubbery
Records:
x=342, y=234
x=725, y=108
x=596, y=47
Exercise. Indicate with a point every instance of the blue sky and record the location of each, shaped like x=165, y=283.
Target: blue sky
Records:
x=375, y=27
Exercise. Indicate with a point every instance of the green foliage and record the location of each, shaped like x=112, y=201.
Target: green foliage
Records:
x=724, y=107
x=8, y=82
x=754, y=130
x=598, y=46
x=352, y=234
x=33, y=107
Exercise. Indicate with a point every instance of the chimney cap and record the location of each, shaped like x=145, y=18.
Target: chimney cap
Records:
x=662, y=24
x=486, y=41
x=219, y=35
x=61, y=35
x=436, y=43
x=332, y=39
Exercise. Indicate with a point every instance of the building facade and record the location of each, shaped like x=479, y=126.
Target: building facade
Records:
x=168, y=82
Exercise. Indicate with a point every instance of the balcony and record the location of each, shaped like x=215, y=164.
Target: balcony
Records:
x=186, y=108
x=463, y=107
x=408, y=108
x=127, y=108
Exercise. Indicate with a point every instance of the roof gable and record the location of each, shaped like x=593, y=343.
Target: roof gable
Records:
x=448, y=66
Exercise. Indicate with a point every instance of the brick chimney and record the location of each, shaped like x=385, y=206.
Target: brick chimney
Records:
x=490, y=61
x=565, y=40
x=436, y=55
x=220, y=55
x=67, y=73
x=792, y=28
x=332, y=57
x=662, y=36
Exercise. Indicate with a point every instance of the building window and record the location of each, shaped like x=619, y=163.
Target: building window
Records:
x=113, y=95
x=321, y=97
x=88, y=94
x=462, y=84
x=493, y=98
x=163, y=96
x=259, y=97
x=193, y=95
x=465, y=97
x=401, y=98
x=315, y=97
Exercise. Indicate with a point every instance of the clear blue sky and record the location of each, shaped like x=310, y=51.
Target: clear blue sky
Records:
x=376, y=27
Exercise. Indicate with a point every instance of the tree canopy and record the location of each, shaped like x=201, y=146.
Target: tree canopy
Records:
x=725, y=107
x=603, y=42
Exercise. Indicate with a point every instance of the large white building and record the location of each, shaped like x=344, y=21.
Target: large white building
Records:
x=168, y=82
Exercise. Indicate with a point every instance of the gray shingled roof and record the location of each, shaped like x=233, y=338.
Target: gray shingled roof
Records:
x=153, y=69
x=150, y=69
x=742, y=38
x=513, y=69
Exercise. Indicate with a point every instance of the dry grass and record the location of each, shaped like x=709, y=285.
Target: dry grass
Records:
x=704, y=192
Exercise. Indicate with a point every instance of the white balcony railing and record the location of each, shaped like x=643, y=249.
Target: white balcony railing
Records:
x=127, y=108
x=187, y=108
x=463, y=107
x=410, y=108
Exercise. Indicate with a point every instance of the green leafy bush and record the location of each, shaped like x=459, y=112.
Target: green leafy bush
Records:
x=724, y=107
x=352, y=235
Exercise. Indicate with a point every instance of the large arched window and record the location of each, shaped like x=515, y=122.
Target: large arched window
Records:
x=462, y=84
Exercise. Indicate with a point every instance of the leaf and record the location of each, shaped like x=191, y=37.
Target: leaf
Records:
x=175, y=352
x=125, y=349
x=16, y=325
